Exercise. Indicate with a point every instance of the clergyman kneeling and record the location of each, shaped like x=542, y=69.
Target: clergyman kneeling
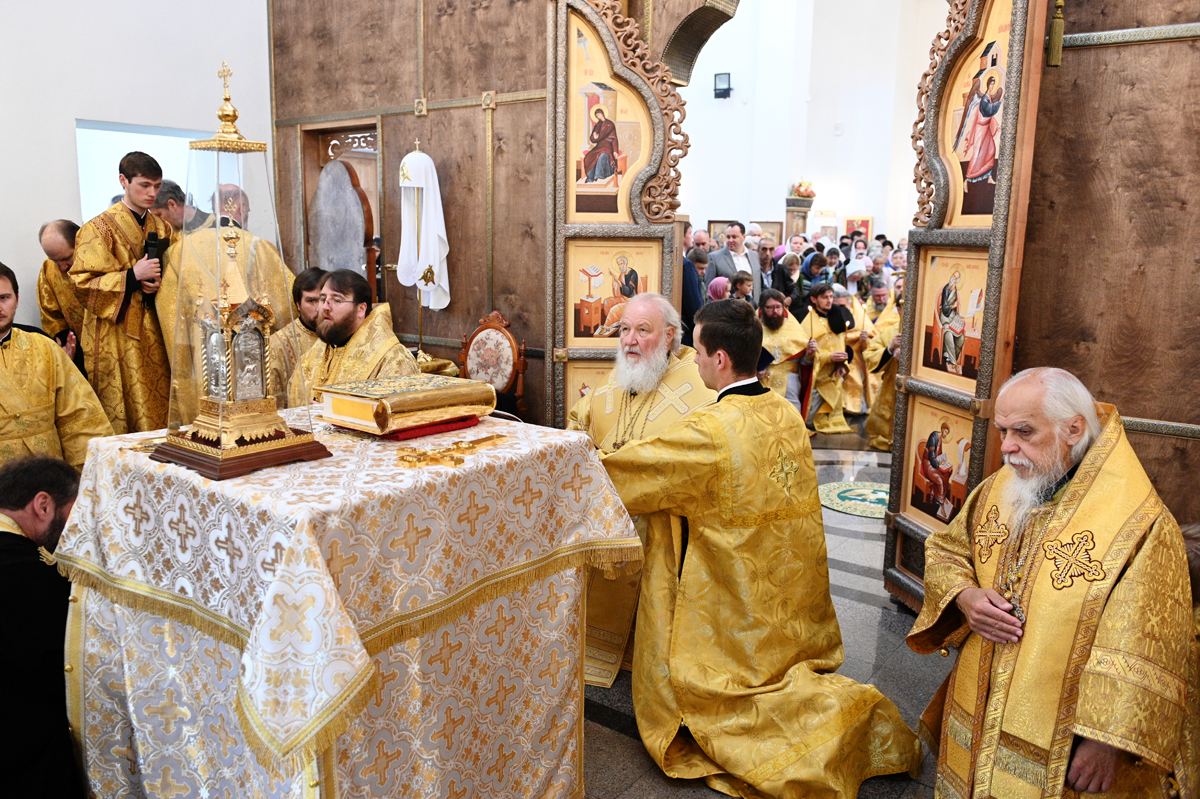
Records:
x=737, y=637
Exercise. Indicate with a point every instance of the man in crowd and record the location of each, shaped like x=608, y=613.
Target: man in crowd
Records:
x=36, y=496
x=654, y=383
x=1063, y=582
x=881, y=358
x=700, y=239
x=797, y=244
x=291, y=343
x=880, y=270
x=699, y=259
x=790, y=374
x=731, y=675
x=46, y=405
x=62, y=314
x=356, y=342
x=734, y=258
x=882, y=307
x=826, y=325
x=835, y=264
x=116, y=281
x=692, y=290
x=172, y=206
x=192, y=271
x=774, y=276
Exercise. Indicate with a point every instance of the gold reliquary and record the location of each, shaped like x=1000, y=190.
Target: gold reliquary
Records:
x=232, y=304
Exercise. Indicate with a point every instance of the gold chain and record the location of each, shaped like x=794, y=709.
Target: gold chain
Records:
x=1015, y=574
x=625, y=426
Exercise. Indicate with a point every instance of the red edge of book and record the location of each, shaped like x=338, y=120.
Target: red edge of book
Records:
x=432, y=429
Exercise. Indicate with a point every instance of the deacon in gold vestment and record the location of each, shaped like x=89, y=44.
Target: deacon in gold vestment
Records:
x=122, y=342
x=59, y=306
x=46, y=405
x=356, y=341
x=880, y=358
x=654, y=383
x=790, y=374
x=857, y=389
x=191, y=272
x=1063, y=582
x=737, y=635
x=830, y=362
x=291, y=343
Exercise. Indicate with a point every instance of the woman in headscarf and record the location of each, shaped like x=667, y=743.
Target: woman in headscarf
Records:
x=718, y=289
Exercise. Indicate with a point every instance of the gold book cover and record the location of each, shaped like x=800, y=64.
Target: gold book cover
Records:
x=393, y=404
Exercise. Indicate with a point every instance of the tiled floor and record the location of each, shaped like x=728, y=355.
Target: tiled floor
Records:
x=616, y=765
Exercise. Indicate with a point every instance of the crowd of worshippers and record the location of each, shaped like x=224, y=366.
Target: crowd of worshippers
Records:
x=831, y=316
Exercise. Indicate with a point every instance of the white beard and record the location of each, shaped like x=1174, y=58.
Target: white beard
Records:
x=1024, y=494
x=644, y=374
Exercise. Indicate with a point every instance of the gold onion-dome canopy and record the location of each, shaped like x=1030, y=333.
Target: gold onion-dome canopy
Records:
x=228, y=139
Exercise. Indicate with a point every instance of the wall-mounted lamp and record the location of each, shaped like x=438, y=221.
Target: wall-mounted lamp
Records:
x=721, y=87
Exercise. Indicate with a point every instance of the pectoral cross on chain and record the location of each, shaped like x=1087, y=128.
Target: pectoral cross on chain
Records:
x=411, y=458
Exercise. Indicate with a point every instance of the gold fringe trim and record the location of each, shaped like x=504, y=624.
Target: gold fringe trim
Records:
x=598, y=554
x=139, y=596
x=285, y=760
x=46, y=557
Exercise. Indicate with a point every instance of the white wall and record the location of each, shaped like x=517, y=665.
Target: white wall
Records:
x=823, y=90
x=130, y=61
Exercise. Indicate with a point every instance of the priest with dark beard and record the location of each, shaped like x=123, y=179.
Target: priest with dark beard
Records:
x=356, y=342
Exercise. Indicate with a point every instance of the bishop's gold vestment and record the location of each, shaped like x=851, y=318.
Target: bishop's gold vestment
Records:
x=612, y=417
x=46, y=405
x=785, y=345
x=373, y=351
x=59, y=307
x=879, y=361
x=190, y=272
x=740, y=644
x=122, y=342
x=829, y=417
x=1105, y=647
x=288, y=346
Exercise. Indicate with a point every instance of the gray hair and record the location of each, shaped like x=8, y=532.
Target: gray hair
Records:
x=170, y=190
x=840, y=292
x=1065, y=398
x=671, y=317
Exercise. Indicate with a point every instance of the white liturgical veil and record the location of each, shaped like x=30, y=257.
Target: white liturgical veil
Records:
x=423, y=243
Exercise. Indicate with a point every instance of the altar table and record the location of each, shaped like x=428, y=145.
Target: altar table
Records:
x=340, y=628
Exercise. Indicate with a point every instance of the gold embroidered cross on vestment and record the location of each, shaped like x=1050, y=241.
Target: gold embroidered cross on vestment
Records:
x=989, y=533
x=1073, y=560
x=784, y=470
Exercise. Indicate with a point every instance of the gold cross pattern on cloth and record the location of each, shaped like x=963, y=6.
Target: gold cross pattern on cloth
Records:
x=453, y=455
x=784, y=470
x=1073, y=560
x=989, y=533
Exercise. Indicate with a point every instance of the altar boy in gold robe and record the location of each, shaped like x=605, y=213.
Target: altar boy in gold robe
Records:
x=737, y=635
x=46, y=405
x=1063, y=583
x=826, y=324
x=880, y=358
x=356, y=341
x=655, y=382
x=122, y=342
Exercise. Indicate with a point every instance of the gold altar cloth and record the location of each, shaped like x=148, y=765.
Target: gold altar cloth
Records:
x=308, y=573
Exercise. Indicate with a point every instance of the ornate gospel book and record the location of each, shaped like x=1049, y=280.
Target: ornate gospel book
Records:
x=396, y=404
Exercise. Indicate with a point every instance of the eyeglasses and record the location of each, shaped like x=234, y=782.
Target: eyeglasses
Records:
x=323, y=299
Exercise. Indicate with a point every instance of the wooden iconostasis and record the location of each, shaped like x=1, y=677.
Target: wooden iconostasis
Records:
x=508, y=100
x=1053, y=229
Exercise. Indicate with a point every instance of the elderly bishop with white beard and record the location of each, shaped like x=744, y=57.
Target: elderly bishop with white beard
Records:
x=654, y=383
x=1063, y=583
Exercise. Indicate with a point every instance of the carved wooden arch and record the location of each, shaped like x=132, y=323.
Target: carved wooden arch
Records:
x=657, y=186
x=688, y=39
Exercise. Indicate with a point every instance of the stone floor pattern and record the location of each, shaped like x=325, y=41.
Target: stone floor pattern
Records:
x=616, y=765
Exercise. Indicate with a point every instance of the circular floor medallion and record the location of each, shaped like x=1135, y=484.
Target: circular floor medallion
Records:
x=857, y=499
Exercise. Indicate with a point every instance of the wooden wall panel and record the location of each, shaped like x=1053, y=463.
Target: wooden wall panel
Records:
x=1174, y=466
x=339, y=57
x=1109, y=284
x=289, y=203
x=1092, y=16
x=520, y=219
x=454, y=138
x=472, y=47
x=666, y=18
